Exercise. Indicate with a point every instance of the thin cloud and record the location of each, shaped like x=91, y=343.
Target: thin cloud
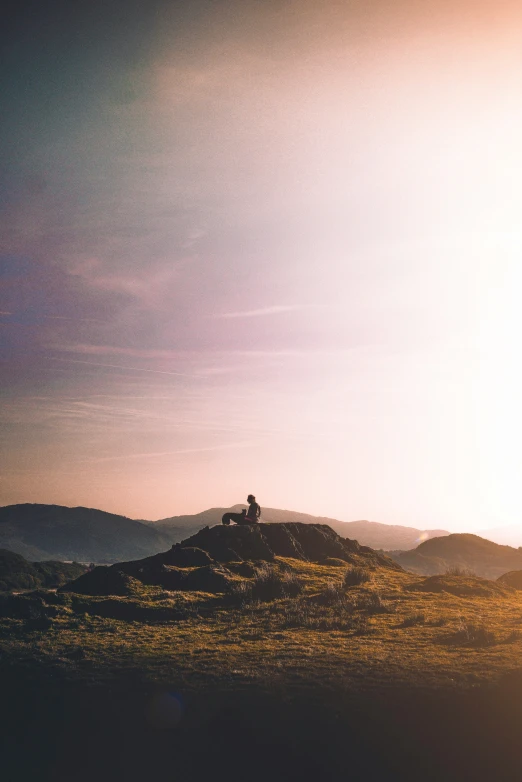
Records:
x=111, y=350
x=65, y=317
x=247, y=444
x=118, y=366
x=275, y=310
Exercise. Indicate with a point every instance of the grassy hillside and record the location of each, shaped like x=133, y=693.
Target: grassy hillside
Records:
x=337, y=669
x=43, y=532
x=469, y=552
x=17, y=573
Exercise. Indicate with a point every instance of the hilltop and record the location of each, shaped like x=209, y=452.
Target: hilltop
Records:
x=214, y=558
x=470, y=552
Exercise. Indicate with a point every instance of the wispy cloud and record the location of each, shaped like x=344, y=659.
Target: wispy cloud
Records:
x=65, y=317
x=118, y=366
x=224, y=447
x=274, y=310
x=112, y=350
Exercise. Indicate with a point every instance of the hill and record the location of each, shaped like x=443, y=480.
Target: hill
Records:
x=469, y=552
x=213, y=559
x=303, y=657
x=55, y=532
x=368, y=533
x=17, y=573
x=45, y=532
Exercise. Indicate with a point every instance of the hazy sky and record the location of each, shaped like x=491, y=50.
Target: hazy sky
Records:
x=263, y=246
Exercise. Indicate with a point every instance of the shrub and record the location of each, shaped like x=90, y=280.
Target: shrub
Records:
x=354, y=576
x=472, y=634
x=372, y=603
x=333, y=594
x=457, y=570
x=304, y=613
x=268, y=584
x=362, y=626
x=413, y=619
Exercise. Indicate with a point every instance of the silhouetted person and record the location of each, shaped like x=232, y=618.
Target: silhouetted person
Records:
x=254, y=511
x=245, y=517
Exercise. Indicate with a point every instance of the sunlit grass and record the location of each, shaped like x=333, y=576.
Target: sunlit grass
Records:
x=384, y=629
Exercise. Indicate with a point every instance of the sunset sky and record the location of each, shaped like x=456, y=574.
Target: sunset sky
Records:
x=267, y=246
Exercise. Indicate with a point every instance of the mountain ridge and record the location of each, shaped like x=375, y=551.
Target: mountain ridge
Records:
x=39, y=531
x=369, y=533
x=56, y=532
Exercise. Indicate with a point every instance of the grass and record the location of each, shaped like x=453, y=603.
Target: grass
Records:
x=412, y=620
x=457, y=570
x=355, y=576
x=292, y=659
x=475, y=634
x=268, y=583
x=292, y=621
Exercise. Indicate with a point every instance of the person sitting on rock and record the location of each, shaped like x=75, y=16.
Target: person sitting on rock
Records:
x=254, y=511
x=250, y=517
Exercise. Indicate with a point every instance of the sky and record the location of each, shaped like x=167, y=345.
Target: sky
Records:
x=263, y=247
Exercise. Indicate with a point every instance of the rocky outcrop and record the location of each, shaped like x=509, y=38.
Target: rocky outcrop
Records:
x=200, y=562
x=309, y=542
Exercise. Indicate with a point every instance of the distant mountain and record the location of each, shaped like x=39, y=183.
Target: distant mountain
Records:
x=368, y=533
x=469, y=552
x=17, y=573
x=44, y=532
x=55, y=532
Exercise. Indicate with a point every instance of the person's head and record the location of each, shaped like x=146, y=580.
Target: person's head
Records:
x=251, y=498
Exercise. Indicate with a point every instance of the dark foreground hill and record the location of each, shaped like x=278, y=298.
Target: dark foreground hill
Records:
x=213, y=559
x=469, y=552
x=368, y=533
x=329, y=663
x=17, y=573
x=41, y=532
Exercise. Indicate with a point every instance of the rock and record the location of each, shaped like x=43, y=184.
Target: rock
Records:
x=308, y=542
x=187, y=556
x=103, y=581
x=232, y=544
x=198, y=563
